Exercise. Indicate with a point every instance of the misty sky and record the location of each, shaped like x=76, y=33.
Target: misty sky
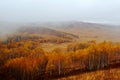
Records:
x=105, y=11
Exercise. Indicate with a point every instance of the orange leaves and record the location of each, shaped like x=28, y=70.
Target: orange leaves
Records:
x=0, y=44
x=27, y=67
x=38, y=50
x=77, y=46
x=28, y=64
x=27, y=59
x=82, y=55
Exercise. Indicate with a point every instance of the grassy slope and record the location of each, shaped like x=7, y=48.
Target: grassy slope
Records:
x=92, y=31
x=112, y=74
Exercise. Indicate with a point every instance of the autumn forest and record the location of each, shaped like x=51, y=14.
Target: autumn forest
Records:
x=42, y=54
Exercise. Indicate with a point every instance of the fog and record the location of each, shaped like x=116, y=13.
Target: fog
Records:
x=102, y=11
x=14, y=12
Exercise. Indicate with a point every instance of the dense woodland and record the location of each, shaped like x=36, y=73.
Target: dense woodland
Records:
x=23, y=58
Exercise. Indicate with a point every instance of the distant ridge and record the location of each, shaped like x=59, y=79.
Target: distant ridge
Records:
x=45, y=31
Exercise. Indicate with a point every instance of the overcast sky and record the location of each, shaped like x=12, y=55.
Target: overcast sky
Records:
x=105, y=11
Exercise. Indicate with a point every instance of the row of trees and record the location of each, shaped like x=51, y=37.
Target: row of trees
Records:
x=24, y=67
x=26, y=60
x=37, y=37
x=88, y=57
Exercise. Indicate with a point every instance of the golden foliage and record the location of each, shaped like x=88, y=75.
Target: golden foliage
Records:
x=26, y=59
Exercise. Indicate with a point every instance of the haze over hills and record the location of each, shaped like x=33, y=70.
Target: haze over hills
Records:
x=86, y=31
x=45, y=31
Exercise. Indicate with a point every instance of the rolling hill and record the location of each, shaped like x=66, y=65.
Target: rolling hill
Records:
x=45, y=31
x=86, y=31
x=91, y=31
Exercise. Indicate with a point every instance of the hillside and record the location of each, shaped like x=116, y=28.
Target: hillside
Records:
x=86, y=31
x=112, y=74
x=48, y=38
x=91, y=31
x=45, y=31
x=44, y=52
x=37, y=33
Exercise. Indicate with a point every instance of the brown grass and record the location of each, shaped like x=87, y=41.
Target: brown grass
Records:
x=112, y=74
